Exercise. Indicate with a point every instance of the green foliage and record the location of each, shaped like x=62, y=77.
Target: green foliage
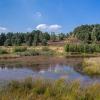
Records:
x=87, y=33
x=46, y=51
x=46, y=36
x=19, y=49
x=35, y=38
x=61, y=36
x=29, y=53
x=8, y=42
x=2, y=39
x=53, y=37
x=82, y=48
x=29, y=39
x=44, y=42
x=3, y=51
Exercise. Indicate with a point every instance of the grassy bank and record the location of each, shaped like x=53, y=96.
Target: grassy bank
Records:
x=31, y=51
x=19, y=51
x=91, y=66
x=49, y=90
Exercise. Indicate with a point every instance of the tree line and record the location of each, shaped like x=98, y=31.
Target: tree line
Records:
x=35, y=38
x=87, y=33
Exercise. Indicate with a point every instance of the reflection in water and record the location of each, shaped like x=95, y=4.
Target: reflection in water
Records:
x=46, y=71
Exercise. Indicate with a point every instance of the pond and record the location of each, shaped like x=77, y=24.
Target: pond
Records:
x=47, y=71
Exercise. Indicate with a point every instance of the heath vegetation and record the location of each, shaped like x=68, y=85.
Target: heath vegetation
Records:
x=49, y=90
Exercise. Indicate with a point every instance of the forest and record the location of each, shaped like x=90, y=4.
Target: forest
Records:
x=35, y=38
x=87, y=33
x=88, y=36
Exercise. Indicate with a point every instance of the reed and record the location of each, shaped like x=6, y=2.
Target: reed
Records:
x=50, y=90
x=91, y=66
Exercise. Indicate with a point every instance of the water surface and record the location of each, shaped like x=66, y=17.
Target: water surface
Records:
x=47, y=71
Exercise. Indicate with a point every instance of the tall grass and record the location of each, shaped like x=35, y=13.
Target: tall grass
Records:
x=45, y=48
x=50, y=90
x=47, y=51
x=3, y=51
x=82, y=48
x=27, y=51
x=23, y=51
x=32, y=52
x=91, y=66
x=19, y=49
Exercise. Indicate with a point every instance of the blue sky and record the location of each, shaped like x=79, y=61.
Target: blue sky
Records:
x=47, y=15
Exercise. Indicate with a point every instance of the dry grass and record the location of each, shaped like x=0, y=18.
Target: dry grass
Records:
x=59, y=50
x=50, y=90
x=92, y=66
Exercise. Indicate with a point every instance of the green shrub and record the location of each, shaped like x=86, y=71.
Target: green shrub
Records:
x=29, y=53
x=44, y=42
x=82, y=48
x=8, y=42
x=45, y=49
x=47, y=53
x=20, y=49
x=3, y=51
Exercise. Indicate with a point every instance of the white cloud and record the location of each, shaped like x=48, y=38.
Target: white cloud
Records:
x=3, y=29
x=42, y=27
x=54, y=27
x=38, y=14
x=45, y=27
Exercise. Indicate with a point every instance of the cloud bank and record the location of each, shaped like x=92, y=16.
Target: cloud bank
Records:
x=45, y=27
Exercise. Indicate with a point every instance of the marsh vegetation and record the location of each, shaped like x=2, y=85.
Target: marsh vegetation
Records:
x=69, y=62
x=92, y=66
x=50, y=90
